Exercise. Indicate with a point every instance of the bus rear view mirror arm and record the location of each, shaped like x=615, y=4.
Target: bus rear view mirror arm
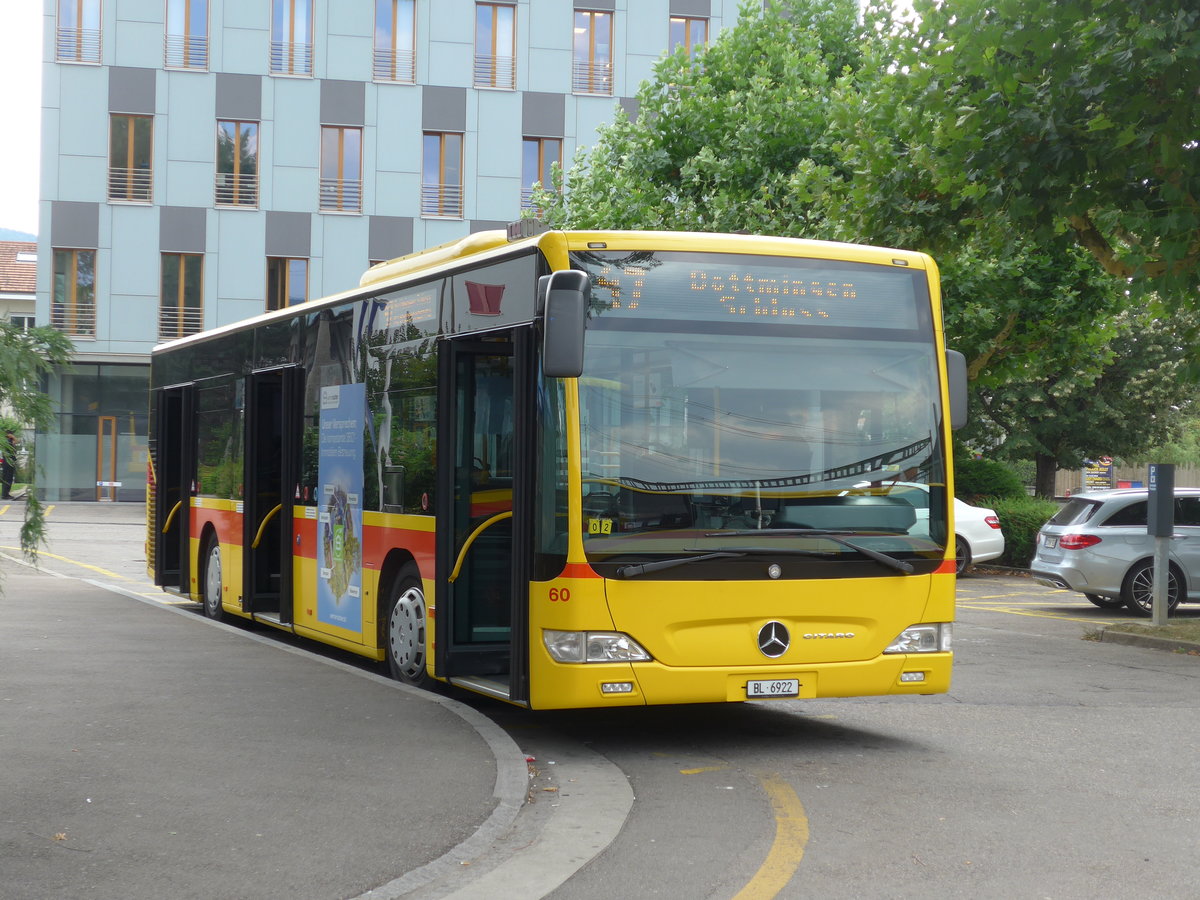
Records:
x=567, y=293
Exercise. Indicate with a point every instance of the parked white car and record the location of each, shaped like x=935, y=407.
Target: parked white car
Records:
x=977, y=534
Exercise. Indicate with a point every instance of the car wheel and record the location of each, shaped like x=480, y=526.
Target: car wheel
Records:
x=405, y=639
x=212, y=579
x=1138, y=589
x=1105, y=602
x=962, y=555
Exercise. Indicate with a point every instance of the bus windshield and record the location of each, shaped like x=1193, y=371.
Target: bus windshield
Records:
x=728, y=400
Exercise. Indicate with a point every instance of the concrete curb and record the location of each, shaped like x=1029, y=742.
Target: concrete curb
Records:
x=1149, y=641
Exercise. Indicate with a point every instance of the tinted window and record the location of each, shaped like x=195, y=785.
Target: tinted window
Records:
x=1133, y=514
x=1187, y=510
x=1074, y=512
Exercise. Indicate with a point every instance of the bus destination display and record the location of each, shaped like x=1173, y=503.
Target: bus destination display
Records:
x=714, y=288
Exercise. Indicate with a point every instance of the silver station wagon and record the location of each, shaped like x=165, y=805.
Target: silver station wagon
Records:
x=1097, y=544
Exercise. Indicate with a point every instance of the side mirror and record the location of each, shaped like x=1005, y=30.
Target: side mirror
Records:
x=567, y=293
x=956, y=378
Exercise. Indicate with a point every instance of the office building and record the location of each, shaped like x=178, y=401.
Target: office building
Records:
x=206, y=160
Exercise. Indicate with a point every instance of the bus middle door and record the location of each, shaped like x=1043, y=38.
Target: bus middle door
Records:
x=273, y=416
x=175, y=474
x=485, y=468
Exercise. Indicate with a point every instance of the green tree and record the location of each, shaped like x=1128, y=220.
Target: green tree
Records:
x=25, y=357
x=1077, y=115
x=1134, y=402
x=735, y=138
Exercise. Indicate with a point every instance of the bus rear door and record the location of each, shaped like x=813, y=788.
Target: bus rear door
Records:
x=485, y=482
x=175, y=473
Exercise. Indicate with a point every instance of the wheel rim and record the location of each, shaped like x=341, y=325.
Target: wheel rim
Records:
x=1141, y=588
x=406, y=633
x=961, y=556
x=212, y=581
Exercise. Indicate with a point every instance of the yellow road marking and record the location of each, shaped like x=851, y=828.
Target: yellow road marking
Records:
x=73, y=562
x=1037, y=615
x=703, y=769
x=791, y=837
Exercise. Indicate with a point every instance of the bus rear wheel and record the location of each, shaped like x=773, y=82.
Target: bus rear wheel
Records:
x=405, y=639
x=212, y=579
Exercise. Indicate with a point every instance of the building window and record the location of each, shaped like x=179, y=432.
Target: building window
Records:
x=495, y=46
x=291, y=37
x=77, y=38
x=441, y=175
x=237, y=164
x=185, y=44
x=130, y=175
x=287, y=281
x=24, y=323
x=181, y=304
x=73, y=306
x=341, y=168
x=689, y=33
x=591, y=70
x=394, y=41
x=538, y=155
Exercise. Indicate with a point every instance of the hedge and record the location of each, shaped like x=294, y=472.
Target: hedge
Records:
x=1020, y=519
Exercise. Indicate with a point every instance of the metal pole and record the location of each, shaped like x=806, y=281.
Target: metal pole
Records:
x=1162, y=575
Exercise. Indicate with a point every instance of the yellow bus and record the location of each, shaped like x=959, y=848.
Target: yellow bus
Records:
x=580, y=469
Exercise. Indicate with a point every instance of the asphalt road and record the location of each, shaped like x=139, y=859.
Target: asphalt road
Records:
x=1055, y=768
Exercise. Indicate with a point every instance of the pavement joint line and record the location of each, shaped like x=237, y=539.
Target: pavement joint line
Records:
x=571, y=838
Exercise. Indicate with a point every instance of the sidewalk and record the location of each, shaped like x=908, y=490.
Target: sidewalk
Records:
x=148, y=753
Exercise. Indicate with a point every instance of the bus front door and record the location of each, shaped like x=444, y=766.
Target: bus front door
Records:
x=484, y=501
x=273, y=415
x=174, y=473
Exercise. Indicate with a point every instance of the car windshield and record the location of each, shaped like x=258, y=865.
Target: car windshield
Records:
x=706, y=434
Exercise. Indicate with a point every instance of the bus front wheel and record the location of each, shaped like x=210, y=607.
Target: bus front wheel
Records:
x=212, y=579
x=405, y=638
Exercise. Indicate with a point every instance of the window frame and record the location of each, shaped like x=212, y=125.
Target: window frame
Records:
x=447, y=203
x=187, y=42
x=137, y=184
x=178, y=311
x=687, y=22
x=589, y=76
x=337, y=192
x=240, y=183
x=393, y=63
x=280, y=267
x=543, y=171
x=87, y=43
x=283, y=57
x=58, y=320
x=488, y=70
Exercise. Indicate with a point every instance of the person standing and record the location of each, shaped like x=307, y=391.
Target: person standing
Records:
x=8, y=465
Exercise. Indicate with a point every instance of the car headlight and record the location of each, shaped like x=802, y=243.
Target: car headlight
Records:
x=593, y=647
x=923, y=639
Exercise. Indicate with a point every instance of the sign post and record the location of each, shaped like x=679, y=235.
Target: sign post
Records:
x=1160, y=523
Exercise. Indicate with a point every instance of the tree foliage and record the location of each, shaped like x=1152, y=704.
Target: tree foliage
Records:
x=805, y=120
x=26, y=356
x=1077, y=115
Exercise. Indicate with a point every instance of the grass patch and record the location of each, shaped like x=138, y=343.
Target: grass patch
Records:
x=1176, y=631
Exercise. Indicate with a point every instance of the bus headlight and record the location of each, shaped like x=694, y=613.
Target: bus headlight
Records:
x=923, y=639
x=593, y=647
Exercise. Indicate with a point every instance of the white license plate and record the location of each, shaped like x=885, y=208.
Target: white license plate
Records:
x=777, y=687
x=1051, y=542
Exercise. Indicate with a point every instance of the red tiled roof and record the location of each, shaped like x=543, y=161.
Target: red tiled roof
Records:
x=17, y=276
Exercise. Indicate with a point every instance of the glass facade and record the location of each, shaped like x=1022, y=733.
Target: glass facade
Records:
x=97, y=448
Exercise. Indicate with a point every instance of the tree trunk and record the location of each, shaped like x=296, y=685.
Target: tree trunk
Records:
x=1047, y=468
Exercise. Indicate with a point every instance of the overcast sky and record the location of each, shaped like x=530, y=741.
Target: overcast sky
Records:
x=21, y=77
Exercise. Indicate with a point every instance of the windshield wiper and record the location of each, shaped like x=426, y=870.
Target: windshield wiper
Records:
x=836, y=536
x=635, y=569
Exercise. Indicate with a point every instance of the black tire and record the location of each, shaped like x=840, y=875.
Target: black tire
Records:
x=962, y=555
x=211, y=579
x=404, y=637
x=1138, y=588
x=1105, y=602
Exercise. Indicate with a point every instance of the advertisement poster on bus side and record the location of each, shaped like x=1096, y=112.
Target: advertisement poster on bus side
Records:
x=339, y=514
